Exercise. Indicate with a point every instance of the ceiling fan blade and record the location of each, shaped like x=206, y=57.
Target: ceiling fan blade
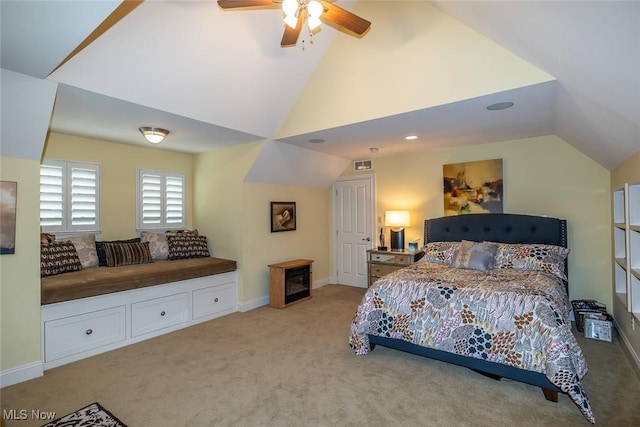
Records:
x=233, y=4
x=344, y=19
x=290, y=36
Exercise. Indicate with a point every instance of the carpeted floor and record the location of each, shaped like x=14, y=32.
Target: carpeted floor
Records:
x=294, y=367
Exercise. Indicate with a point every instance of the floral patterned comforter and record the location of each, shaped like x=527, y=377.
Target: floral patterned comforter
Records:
x=514, y=317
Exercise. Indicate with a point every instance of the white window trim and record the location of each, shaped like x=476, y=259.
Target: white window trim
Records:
x=163, y=223
x=67, y=228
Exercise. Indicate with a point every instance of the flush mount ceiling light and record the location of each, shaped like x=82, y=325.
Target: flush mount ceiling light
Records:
x=154, y=135
x=411, y=137
x=500, y=106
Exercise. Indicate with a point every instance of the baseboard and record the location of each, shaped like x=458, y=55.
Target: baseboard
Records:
x=259, y=302
x=628, y=349
x=254, y=303
x=21, y=373
x=320, y=283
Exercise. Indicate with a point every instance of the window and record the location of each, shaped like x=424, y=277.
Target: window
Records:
x=160, y=200
x=69, y=196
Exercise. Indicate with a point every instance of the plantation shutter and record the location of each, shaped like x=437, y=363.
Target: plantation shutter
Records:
x=151, y=200
x=84, y=194
x=174, y=200
x=52, y=200
x=69, y=196
x=160, y=200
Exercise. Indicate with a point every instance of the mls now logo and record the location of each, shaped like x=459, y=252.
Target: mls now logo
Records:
x=23, y=414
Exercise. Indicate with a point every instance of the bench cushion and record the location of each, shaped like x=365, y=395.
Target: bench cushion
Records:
x=104, y=280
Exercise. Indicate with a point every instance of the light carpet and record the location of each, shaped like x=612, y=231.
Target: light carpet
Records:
x=294, y=367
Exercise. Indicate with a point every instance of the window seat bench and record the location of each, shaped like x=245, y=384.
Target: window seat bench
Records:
x=104, y=280
x=88, y=312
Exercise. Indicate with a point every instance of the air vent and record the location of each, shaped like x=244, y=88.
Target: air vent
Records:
x=362, y=165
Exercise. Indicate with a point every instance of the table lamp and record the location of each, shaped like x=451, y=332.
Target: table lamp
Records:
x=397, y=220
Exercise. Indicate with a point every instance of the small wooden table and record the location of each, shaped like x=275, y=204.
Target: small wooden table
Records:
x=278, y=294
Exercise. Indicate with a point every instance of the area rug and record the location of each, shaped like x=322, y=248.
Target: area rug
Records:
x=93, y=415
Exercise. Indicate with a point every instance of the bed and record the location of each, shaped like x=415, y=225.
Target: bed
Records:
x=490, y=294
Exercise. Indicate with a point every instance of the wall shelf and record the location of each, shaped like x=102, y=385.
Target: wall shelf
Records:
x=626, y=247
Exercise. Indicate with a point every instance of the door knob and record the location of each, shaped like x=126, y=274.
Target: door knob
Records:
x=368, y=239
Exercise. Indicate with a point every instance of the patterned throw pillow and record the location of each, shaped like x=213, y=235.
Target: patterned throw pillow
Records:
x=475, y=255
x=537, y=257
x=102, y=254
x=86, y=247
x=119, y=254
x=158, y=244
x=174, y=232
x=47, y=238
x=182, y=246
x=57, y=258
x=442, y=252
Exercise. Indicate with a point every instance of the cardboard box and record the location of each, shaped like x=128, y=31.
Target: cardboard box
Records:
x=598, y=327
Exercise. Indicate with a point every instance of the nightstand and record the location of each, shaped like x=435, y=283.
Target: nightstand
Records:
x=381, y=263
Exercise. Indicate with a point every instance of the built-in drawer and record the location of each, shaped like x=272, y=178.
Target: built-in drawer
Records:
x=398, y=259
x=159, y=313
x=213, y=300
x=75, y=334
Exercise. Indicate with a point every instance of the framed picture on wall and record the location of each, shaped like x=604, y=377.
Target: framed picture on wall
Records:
x=283, y=216
x=473, y=187
x=8, y=197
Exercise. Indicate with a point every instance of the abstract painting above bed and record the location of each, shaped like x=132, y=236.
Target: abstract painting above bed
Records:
x=513, y=317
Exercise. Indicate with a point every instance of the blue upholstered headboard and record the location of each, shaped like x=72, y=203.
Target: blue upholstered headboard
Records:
x=504, y=228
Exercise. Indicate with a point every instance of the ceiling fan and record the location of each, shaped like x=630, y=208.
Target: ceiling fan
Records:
x=310, y=11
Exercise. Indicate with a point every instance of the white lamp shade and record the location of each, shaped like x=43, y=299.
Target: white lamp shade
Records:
x=290, y=7
x=315, y=9
x=291, y=21
x=313, y=23
x=397, y=219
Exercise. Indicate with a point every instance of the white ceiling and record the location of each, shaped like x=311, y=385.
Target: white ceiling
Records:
x=217, y=78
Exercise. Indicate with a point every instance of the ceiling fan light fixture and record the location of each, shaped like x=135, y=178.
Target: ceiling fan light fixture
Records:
x=290, y=7
x=291, y=21
x=315, y=9
x=154, y=135
x=313, y=22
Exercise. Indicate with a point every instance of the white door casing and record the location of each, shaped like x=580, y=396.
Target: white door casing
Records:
x=353, y=218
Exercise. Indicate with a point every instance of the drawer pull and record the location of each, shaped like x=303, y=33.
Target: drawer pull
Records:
x=89, y=331
x=163, y=313
x=215, y=300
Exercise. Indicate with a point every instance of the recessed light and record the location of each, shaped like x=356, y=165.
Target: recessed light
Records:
x=316, y=141
x=500, y=106
x=373, y=149
x=411, y=137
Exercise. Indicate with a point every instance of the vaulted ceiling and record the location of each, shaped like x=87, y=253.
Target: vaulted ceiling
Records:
x=217, y=78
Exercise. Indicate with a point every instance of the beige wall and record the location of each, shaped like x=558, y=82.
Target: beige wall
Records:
x=627, y=172
x=235, y=217
x=310, y=240
x=118, y=163
x=543, y=176
x=20, y=272
x=218, y=208
x=432, y=60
